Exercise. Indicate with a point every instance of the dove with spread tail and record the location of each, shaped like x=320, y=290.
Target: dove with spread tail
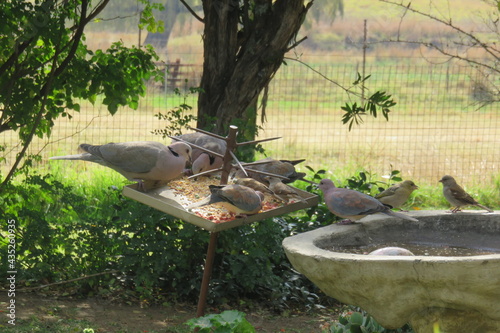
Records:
x=202, y=160
x=137, y=160
x=238, y=199
x=353, y=205
x=395, y=196
x=457, y=196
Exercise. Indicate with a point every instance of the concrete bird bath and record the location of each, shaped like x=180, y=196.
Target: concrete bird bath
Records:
x=460, y=293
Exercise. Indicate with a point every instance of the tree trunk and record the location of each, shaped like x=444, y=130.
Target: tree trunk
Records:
x=238, y=64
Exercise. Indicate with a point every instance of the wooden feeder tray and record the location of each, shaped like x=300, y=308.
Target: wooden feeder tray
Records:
x=164, y=199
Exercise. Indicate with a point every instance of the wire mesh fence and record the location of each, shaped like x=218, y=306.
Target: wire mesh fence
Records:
x=436, y=128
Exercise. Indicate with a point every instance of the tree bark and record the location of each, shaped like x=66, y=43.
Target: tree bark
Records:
x=240, y=61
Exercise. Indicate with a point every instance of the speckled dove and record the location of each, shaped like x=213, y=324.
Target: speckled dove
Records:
x=202, y=160
x=137, y=160
x=353, y=205
x=396, y=195
x=457, y=196
x=238, y=199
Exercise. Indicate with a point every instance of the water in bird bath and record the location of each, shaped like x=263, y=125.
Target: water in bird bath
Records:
x=418, y=249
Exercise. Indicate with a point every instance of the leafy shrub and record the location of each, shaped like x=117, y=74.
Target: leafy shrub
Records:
x=83, y=230
x=225, y=322
x=64, y=234
x=361, y=322
x=179, y=117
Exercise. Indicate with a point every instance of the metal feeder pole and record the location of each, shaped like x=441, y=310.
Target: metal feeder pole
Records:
x=209, y=261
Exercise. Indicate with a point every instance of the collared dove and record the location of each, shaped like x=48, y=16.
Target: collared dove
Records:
x=257, y=186
x=138, y=160
x=457, y=196
x=283, y=190
x=238, y=199
x=283, y=168
x=396, y=195
x=202, y=160
x=353, y=205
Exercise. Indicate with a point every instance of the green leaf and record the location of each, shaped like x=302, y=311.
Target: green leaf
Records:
x=357, y=318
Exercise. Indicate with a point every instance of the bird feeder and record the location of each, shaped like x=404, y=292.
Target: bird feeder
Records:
x=167, y=201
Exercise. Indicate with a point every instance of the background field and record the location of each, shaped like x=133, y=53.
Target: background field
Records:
x=435, y=129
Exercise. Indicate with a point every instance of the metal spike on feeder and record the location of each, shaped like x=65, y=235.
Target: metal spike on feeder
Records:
x=258, y=141
x=208, y=133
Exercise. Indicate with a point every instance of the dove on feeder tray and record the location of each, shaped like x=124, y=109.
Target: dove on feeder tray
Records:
x=282, y=168
x=283, y=191
x=257, y=186
x=238, y=199
x=138, y=160
x=202, y=160
x=353, y=205
x=396, y=195
x=457, y=196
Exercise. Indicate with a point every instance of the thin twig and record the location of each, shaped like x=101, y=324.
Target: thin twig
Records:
x=68, y=281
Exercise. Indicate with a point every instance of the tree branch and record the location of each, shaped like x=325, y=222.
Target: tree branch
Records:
x=36, y=123
x=44, y=90
x=192, y=11
x=490, y=49
x=294, y=45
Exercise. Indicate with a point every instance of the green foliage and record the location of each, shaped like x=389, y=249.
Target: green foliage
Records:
x=379, y=100
x=251, y=263
x=226, y=322
x=70, y=232
x=83, y=228
x=362, y=322
x=363, y=182
x=147, y=17
x=46, y=68
x=177, y=118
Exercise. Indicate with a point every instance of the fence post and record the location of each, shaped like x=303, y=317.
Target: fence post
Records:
x=363, y=69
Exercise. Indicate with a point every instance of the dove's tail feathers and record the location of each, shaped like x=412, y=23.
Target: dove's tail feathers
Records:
x=280, y=198
x=293, y=162
x=400, y=215
x=203, y=202
x=83, y=157
x=299, y=198
x=307, y=181
x=485, y=208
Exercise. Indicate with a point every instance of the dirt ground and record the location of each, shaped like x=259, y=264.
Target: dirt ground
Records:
x=108, y=317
